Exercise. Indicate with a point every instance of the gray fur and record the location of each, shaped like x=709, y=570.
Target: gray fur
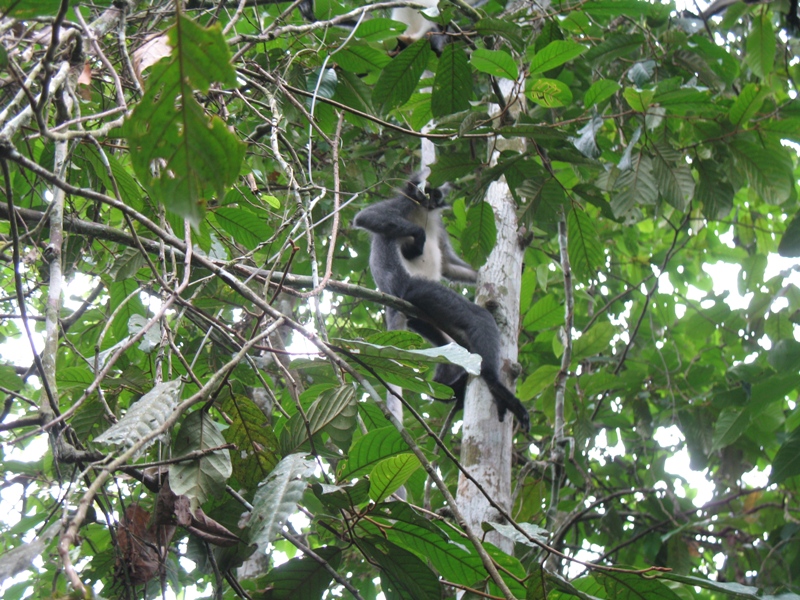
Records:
x=410, y=254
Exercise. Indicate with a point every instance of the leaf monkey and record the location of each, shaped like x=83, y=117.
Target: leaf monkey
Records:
x=792, y=18
x=410, y=254
x=417, y=26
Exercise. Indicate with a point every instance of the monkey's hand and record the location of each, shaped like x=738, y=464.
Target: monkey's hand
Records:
x=415, y=248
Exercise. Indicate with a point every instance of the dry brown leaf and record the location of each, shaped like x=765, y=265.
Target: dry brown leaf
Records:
x=149, y=53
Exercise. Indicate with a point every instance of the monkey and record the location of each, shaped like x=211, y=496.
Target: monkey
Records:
x=410, y=253
x=417, y=26
x=792, y=19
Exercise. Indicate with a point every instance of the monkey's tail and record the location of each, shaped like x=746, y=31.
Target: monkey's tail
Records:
x=505, y=399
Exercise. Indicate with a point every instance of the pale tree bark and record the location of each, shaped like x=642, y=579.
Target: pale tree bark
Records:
x=486, y=443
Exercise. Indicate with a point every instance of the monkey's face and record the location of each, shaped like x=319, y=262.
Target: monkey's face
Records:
x=428, y=196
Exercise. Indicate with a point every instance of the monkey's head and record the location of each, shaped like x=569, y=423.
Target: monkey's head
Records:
x=426, y=195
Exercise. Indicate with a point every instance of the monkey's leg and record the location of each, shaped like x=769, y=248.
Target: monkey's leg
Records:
x=473, y=326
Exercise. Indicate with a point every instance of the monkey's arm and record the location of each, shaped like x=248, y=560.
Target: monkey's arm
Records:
x=384, y=218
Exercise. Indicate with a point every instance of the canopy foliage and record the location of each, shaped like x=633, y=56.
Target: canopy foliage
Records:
x=178, y=177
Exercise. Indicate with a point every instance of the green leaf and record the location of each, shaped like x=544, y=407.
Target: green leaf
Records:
x=595, y=341
x=715, y=194
x=72, y=377
x=120, y=292
x=538, y=381
x=555, y=54
x=257, y=448
x=495, y=62
x=356, y=58
x=451, y=560
x=403, y=575
x=673, y=176
x=372, y=448
x=334, y=412
x=639, y=100
x=181, y=155
x=378, y=29
x=506, y=30
x=276, y=500
x=391, y=473
x=245, y=227
x=304, y=576
x=787, y=461
x=451, y=166
x=272, y=201
x=584, y=247
x=730, y=425
x=729, y=588
x=205, y=477
x=614, y=8
x=629, y=586
x=452, y=86
x=790, y=240
x=747, y=104
x=480, y=233
x=129, y=190
x=634, y=187
x=600, y=90
x=767, y=167
x=322, y=84
x=353, y=92
x=25, y=9
x=614, y=46
x=547, y=312
x=10, y=380
x=399, y=78
x=761, y=45
x=550, y=93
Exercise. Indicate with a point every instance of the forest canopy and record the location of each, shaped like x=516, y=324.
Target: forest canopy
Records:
x=193, y=357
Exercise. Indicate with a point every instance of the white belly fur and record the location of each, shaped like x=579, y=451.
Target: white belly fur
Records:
x=429, y=264
x=416, y=24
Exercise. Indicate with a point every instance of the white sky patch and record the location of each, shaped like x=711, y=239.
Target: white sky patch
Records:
x=678, y=465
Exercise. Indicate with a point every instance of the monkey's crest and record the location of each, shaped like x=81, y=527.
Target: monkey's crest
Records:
x=428, y=197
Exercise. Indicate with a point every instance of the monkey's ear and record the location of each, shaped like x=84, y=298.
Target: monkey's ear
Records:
x=438, y=195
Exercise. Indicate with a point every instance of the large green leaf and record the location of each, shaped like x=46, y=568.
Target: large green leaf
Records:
x=452, y=86
x=276, y=500
x=767, y=167
x=555, y=54
x=545, y=313
x=599, y=91
x=480, y=233
x=761, y=45
x=403, y=575
x=256, y=445
x=245, y=227
x=304, y=577
x=334, y=412
x=205, y=477
x=399, y=78
x=390, y=474
x=787, y=461
x=583, y=244
x=372, y=448
x=674, y=178
x=790, y=241
x=550, y=93
x=181, y=155
x=635, y=187
x=747, y=104
x=495, y=62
